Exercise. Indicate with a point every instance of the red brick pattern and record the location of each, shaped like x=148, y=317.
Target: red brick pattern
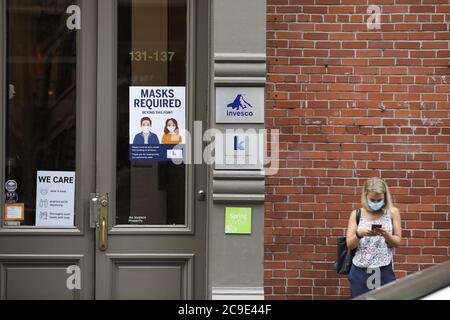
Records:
x=353, y=103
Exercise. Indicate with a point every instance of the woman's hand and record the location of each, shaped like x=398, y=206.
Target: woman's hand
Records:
x=366, y=232
x=381, y=232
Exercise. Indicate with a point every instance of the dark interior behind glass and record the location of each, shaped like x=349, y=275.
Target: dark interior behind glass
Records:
x=149, y=192
x=40, y=115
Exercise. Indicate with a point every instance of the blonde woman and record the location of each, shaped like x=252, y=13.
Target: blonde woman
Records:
x=378, y=232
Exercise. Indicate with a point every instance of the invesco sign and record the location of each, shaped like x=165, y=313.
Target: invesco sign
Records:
x=239, y=105
x=240, y=108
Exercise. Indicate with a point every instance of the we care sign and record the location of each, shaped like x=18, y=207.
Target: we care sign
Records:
x=55, y=199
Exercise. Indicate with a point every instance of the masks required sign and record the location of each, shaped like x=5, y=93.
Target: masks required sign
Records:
x=157, y=123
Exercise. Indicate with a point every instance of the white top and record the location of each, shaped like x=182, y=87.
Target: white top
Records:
x=146, y=135
x=374, y=252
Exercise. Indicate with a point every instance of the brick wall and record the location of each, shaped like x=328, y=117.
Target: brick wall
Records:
x=329, y=80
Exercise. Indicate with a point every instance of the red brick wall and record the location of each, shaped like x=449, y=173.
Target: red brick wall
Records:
x=328, y=79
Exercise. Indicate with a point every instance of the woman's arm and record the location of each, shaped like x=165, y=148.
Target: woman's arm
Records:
x=352, y=239
x=354, y=234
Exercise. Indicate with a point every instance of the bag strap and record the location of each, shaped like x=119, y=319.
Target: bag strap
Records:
x=358, y=216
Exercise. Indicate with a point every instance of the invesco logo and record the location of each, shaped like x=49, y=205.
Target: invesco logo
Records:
x=239, y=107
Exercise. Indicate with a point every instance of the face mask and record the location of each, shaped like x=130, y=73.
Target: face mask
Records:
x=375, y=206
x=171, y=128
x=146, y=129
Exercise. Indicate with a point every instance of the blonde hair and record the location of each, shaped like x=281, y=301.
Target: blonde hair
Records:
x=379, y=186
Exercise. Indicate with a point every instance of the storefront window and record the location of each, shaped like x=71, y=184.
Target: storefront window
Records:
x=40, y=114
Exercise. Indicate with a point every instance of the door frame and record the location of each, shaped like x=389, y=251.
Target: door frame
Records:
x=90, y=107
x=49, y=247
x=198, y=85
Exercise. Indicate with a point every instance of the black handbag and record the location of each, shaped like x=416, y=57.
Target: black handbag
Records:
x=345, y=256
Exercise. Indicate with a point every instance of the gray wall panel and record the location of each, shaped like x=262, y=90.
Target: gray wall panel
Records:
x=236, y=261
x=148, y=282
x=151, y=276
x=36, y=283
x=41, y=277
x=240, y=26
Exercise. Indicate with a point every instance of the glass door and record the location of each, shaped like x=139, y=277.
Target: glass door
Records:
x=152, y=232
x=48, y=150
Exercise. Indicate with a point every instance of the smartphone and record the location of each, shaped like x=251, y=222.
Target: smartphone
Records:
x=376, y=226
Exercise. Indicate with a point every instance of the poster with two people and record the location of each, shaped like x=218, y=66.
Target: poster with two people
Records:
x=157, y=123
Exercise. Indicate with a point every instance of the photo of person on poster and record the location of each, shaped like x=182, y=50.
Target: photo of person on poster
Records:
x=146, y=136
x=172, y=133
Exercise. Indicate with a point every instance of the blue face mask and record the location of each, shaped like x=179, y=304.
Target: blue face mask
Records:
x=375, y=206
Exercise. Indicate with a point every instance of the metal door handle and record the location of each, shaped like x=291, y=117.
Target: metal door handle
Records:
x=103, y=227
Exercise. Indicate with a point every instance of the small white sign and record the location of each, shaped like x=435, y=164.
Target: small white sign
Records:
x=237, y=150
x=239, y=105
x=14, y=212
x=55, y=199
x=174, y=154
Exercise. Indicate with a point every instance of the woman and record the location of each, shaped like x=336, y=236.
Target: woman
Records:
x=171, y=133
x=378, y=232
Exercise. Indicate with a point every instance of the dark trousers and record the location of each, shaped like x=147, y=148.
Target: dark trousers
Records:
x=358, y=278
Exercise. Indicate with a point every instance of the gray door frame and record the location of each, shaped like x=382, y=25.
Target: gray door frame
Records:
x=37, y=249
x=134, y=246
x=33, y=260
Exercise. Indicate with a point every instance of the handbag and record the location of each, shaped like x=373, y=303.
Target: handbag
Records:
x=345, y=256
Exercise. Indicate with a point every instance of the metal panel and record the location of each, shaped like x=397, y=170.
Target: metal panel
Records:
x=236, y=261
x=238, y=186
x=240, y=19
x=240, y=69
x=39, y=277
x=147, y=282
x=152, y=277
x=239, y=293
x=38, y=282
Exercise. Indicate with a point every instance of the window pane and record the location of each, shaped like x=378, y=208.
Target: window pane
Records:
x=40, y=110
x=151, y=52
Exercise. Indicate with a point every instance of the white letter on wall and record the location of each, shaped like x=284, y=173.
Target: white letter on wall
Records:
x=374, y=21
x=374, y=281
x=74, y=20
x=74, y=281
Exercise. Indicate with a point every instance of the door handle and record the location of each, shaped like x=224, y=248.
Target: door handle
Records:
x=103, y=223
